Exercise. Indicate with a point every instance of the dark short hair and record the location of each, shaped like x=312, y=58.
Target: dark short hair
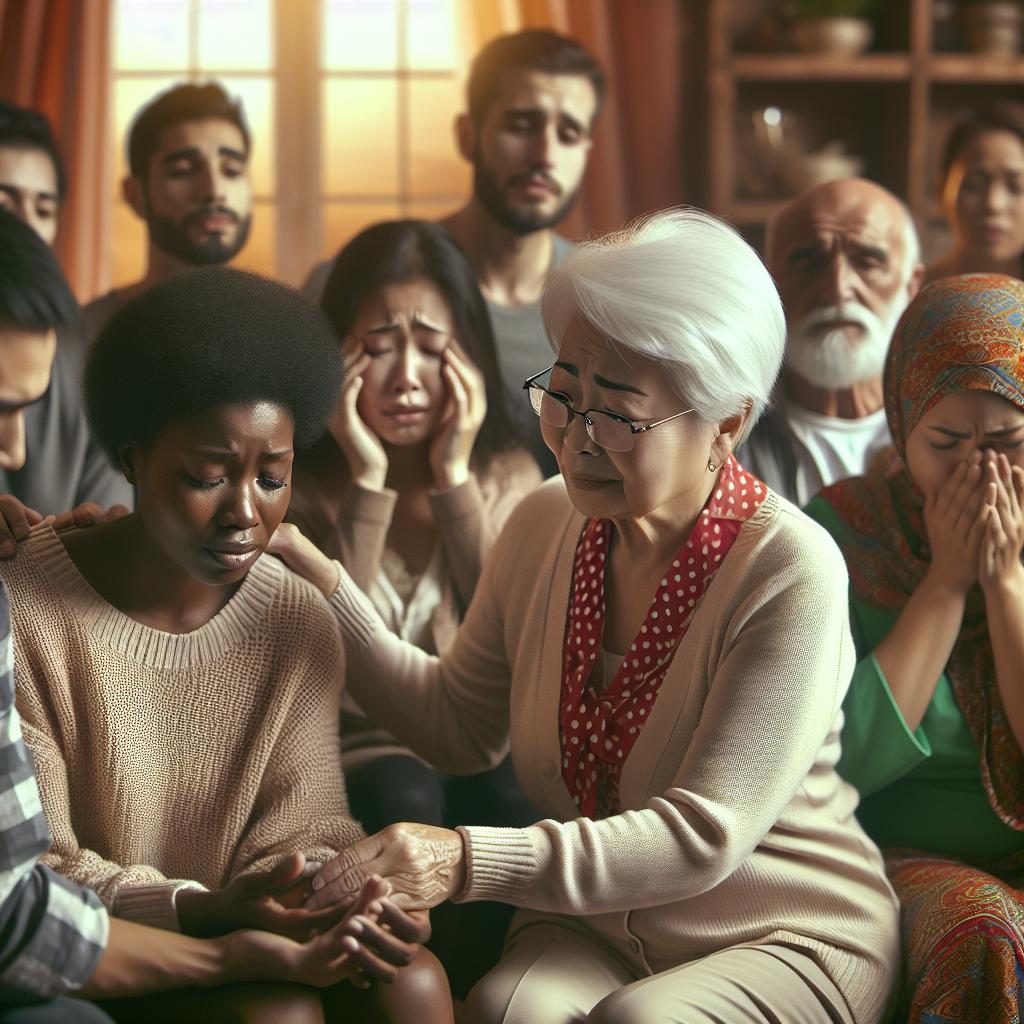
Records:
x=180, y=103
x=21, y=128
x=204, y=338
x=533, y=49
x=397, y=251
x=997, y=116
x=34, y=294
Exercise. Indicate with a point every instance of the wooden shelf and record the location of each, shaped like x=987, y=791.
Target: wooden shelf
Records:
x=803, y=67
x=970, y=69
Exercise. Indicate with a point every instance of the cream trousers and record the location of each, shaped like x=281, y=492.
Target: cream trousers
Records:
x=554, y=975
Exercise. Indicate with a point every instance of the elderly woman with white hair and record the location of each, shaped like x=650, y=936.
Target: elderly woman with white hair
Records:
x=665, y=643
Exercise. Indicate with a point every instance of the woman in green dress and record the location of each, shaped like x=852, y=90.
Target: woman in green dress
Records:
x=932, y=537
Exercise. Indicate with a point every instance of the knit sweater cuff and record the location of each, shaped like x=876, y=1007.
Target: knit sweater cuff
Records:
x=501, y=863
x=152, y=904
x=457, y=502
x=354, y=611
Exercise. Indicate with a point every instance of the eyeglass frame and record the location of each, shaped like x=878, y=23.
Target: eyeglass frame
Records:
x=634, y=428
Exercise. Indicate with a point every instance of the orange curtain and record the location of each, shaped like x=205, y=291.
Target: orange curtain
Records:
x=636, y=162
x=54, y=57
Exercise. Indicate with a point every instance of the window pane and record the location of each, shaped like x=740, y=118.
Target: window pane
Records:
x=360, y=35
x=259, y=254
x=257, y=96
x=130, y=95
x=127, y=253
x=151, y=35
x=359, y=151
x=433, y=209
x=436, y=169
x=431, y=41
x=343, y=221
x=235, y=35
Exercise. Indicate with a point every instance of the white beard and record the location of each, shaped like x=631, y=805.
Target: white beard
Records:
x=833, y=360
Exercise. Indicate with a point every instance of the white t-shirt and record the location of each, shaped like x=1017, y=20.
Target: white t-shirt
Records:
x=821, y=449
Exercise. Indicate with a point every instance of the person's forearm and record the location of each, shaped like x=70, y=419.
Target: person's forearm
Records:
x=139, y=960
x=1004, y=608
x=914, y=653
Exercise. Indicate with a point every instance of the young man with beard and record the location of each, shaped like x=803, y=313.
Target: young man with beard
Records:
x=188, y=158
x=532, y=98
x=52, y=464
x=846, y=260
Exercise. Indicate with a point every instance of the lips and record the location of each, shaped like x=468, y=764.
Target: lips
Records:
x=536, y=184
x=589, y=483
x=212, y=220
x=407, y=416
x=234, y=556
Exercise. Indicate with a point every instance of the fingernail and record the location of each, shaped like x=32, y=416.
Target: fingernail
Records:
x=318, y=883
x=357, y=925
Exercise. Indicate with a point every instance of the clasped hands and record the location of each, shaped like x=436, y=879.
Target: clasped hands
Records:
x=975, y=525
x=364, y=935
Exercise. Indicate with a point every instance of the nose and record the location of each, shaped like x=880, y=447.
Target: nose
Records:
x=838, y=280
x=12, y=440
x=995, y=196
x=578, y=439
x=545, y=144
x=212, y=185
x=238, y=510
x=407, y=373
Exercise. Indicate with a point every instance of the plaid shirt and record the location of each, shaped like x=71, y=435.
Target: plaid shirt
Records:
x=52, y=932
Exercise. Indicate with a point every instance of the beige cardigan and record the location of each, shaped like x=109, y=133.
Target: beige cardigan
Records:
x=736, y=827
x=468, y=517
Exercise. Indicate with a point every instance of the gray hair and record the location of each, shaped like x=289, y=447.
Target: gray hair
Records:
x=683, y=288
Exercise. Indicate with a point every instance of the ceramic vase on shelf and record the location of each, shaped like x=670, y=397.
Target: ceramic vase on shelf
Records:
x=835, y=36
x=994, y=27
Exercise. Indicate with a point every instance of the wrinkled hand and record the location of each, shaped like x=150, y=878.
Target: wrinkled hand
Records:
x=16, y=520
x=999, y=562
x=955, y=520
x=254, y=900
x=367, y=460
x=423, y=864
x=87, y=514
x=460, y=423
x=304, y=558
x=344, y=952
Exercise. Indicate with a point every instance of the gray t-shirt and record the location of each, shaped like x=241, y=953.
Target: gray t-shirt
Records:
x=63, y=464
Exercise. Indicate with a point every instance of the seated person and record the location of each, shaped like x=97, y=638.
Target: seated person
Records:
x=409, y=487
x=982, y=193
x=180, y=692
x=935, y=714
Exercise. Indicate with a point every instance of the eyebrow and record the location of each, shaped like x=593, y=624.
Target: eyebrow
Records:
x=191, y=152
x=542, y=112
x=211, y=451
x=14, y=192
x=1002, y=432
x=603, y=382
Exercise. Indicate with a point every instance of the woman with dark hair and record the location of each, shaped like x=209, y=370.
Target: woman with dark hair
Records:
x=982, y=191
x=410, y=485
x=179, y=691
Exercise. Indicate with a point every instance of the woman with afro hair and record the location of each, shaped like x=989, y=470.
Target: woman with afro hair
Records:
x=179, y=690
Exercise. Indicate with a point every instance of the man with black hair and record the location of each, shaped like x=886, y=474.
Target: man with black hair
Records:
x=532, y=98
x=188, y=159
x=59, y=467
x=55, y=936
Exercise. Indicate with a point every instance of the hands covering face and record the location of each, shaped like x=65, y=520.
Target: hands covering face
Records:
x=975, y=524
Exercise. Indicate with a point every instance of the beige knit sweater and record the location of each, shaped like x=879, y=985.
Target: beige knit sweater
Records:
x=163, y=757
x=735, y=827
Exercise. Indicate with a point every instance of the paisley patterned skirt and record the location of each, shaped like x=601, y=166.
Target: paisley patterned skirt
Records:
x=962, y=933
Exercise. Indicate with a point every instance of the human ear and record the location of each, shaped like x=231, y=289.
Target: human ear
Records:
x=465, y=137
x=133, y=191
x=728, y=430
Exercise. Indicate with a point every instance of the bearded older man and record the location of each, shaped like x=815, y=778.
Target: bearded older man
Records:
x=846, y=260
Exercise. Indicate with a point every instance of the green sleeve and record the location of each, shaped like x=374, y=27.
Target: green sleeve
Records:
x=878, y=746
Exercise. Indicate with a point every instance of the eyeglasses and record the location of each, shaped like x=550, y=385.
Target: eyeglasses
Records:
x=607, y=429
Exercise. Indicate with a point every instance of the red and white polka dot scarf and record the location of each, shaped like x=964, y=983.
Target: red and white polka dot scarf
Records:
x=598, y=729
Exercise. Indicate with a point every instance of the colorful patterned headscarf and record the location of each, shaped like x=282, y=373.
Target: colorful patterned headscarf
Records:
x=959, y=334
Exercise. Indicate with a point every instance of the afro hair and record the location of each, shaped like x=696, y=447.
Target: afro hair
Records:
x=208, y=337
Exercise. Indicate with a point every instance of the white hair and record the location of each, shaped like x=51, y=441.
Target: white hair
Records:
x=680, y=287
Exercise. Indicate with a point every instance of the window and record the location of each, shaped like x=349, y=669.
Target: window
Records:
x=351, y=105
